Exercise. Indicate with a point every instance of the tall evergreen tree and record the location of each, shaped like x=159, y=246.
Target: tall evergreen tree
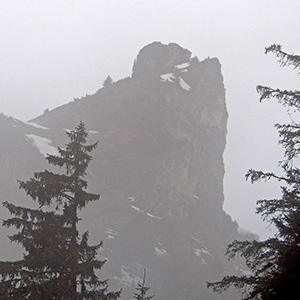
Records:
x=275, y=263
x=57, y=262
x=142, y=290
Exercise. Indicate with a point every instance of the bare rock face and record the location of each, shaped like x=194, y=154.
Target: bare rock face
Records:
x=156, y=59
x=159, y=170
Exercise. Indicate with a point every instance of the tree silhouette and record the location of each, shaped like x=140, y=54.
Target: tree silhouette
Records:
x=142, y=290
x=275, y=263
x=108, y=81
x=57, y=263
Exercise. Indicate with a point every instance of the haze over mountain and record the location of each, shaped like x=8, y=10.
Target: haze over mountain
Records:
x=159, y=169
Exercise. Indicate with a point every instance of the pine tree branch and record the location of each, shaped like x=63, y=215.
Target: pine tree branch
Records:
x=259, y=175
x=285, y=59
x=284, y=97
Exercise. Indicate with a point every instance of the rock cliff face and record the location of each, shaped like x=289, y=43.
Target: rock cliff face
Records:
x=158, y=167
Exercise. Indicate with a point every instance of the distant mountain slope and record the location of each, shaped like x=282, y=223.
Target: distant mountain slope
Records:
x=158, y=167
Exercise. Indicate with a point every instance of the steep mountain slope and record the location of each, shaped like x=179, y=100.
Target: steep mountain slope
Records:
x=158, y=167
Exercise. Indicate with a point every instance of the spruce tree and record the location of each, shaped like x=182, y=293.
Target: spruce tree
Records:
x=108, y=81
x=57, y=262
x=142, y=290
x=274, y=263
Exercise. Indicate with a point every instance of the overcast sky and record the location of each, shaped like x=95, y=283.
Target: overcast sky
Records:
x=53, y=51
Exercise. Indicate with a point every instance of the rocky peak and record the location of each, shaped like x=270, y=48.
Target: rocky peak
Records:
x=157, y=58
x=159, y=168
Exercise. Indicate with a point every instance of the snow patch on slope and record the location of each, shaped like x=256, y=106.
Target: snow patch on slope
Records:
x=111, y=234
x=169, y=77
x=152, y=216
x=183, y=66
x=131, y=199
x=42, y=144
x=196, y=240
x=127, y=279
x=29, y=123
x=184, y=85
x=197, y=198
x=198, y=252
x=35, y=125
x=160, y=251
x=137, y=209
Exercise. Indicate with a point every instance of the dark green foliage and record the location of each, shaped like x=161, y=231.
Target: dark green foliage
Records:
x=274, y=263
x=57, y=262
x=142, y=290
x=108, y=81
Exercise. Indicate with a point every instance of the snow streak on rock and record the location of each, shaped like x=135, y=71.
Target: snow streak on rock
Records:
x=160, y=251
x=184, y=85
x=35, y=125
x=183, y=66
x=29, y=123
x=137, y=209
x=152, y=216
x=127, y=279
x=169, y=77
x=111, y=234
x=42, y=144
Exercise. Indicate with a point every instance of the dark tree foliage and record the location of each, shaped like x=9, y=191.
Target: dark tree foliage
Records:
x=275, y=263
x=57, y=262
x=142, y=290
x=108, y=81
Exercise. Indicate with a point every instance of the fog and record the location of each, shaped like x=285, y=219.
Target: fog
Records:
x=54, y=51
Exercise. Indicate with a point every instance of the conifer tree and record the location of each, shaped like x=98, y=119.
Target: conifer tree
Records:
x=275, y=263
x=108, y=81
x=142, y=290
x=57, y=262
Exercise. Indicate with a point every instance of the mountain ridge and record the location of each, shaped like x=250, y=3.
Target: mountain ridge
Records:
x=159, y=169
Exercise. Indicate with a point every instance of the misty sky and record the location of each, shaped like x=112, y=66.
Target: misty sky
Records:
x=53, y=51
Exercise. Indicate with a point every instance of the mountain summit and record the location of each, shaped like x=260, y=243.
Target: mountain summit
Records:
x=159, y=169
x=156, y=59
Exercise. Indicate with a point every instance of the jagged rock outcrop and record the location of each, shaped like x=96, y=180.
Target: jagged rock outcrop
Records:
x=158, y=59
x=158, y=167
